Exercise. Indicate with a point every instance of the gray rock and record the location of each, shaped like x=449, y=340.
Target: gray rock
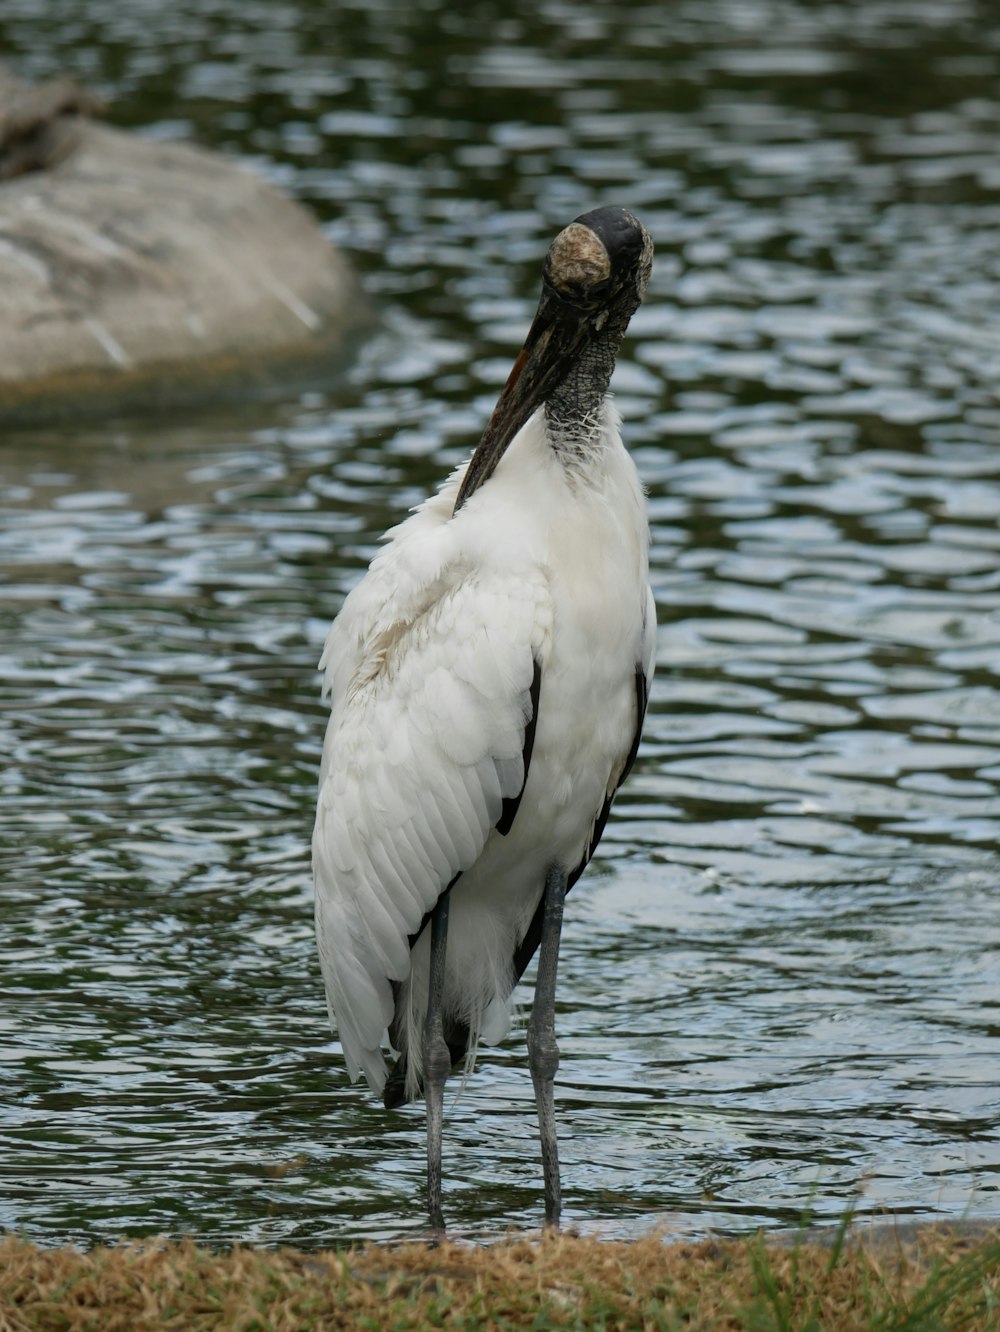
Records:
x=134, y=271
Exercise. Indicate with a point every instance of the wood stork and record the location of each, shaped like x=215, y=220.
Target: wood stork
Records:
x=488, y=678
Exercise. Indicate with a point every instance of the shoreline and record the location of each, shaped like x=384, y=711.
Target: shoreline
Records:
x=920, y=1276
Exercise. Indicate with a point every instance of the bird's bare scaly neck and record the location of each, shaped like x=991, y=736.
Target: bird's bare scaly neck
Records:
x=574, y=411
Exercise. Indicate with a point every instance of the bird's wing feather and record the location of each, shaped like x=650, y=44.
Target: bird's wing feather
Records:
x=644, y=669
x=425, y=743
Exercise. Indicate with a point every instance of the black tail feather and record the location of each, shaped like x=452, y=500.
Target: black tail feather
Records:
x=457, y=1039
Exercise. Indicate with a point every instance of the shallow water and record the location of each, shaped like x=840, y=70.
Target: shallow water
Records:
x=780, y=979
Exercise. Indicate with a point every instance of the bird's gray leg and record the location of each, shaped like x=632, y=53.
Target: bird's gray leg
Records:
x=543, y=1052
x=437, y=1059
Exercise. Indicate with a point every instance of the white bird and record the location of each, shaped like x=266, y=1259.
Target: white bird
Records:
x=488, y=678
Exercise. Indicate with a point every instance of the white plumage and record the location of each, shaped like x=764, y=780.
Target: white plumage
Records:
x=487, y=680
x=429, y=666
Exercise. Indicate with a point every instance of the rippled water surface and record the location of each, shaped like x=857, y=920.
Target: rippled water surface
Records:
x=780, y=982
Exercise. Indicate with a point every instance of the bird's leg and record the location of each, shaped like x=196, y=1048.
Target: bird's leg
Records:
x=543, y=1052
x=437, y=1059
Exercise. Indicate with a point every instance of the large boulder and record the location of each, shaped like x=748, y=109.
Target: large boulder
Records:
x=133, y=270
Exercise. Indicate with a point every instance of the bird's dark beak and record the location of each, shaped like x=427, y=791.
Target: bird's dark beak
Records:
x=556, y=334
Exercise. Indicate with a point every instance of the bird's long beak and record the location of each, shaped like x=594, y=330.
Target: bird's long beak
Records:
x=554, y=339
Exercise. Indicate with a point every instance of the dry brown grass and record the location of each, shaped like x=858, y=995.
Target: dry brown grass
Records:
x=939, y=1280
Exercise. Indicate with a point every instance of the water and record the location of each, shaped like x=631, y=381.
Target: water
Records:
x=780, y=979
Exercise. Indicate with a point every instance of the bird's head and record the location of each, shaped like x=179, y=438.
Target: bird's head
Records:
x=597, y=268
x=594, y=279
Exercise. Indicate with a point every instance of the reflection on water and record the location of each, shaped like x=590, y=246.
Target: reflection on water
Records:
x=779, y=987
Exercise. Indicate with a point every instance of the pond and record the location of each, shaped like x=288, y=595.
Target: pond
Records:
x=780, y=978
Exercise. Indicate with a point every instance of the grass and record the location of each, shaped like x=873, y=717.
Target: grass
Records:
x=939, y=1280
